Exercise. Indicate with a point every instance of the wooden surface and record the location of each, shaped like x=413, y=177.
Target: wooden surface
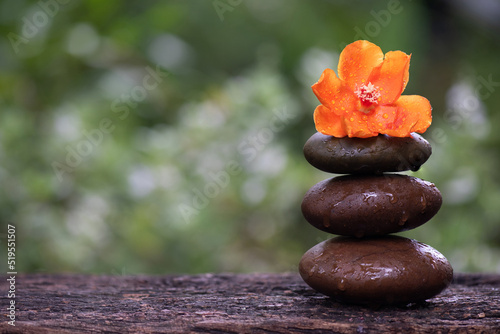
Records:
x=228, y=303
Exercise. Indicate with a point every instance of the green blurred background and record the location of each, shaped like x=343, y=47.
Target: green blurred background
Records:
x=166, y=136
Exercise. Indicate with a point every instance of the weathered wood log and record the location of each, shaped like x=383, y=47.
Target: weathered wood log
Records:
x=235, y=303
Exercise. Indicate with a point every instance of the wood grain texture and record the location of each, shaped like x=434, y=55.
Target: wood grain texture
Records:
x=235, y=303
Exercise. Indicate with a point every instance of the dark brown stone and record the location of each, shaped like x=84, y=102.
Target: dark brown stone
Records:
x=372, y=155
x=370, y=205
x=377, y=271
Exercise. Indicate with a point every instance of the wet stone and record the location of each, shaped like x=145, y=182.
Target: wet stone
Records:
x=370, y=205
x=372, y=155
x=376, y=271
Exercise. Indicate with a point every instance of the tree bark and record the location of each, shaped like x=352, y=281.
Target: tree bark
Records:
x=234, y=303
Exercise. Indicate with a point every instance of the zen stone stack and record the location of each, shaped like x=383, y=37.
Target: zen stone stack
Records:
x=366, y=265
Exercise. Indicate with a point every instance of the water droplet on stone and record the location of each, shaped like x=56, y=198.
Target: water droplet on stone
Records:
x=414, y=168
x=403, y=219
x=369, y=196
x=392, y=199
x=326, y=221
x=341, y=285
x=423, y=201
x=312, y=271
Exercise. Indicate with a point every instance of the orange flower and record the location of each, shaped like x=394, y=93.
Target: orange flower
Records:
x=365, y=99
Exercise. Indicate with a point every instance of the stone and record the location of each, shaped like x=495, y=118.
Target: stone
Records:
x=376, y=271
x=372, y=155
x=370, y=205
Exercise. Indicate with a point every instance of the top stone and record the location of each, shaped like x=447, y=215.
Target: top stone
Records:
x=373, y=155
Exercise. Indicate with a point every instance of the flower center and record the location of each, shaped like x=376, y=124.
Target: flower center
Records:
x=368, y=94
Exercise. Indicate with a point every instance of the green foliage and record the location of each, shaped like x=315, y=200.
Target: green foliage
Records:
x=166, y=136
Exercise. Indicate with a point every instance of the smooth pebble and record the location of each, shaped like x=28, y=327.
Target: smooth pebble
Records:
x=376, y=271
x=370, y=205
x=372, y=155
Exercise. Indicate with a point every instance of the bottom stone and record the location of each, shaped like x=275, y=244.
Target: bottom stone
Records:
x=378, y=271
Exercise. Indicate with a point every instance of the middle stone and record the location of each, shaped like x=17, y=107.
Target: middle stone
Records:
x=370, y=205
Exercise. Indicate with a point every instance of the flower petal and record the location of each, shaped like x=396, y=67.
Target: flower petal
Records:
x=357, y=61
x=382, y=118
x=413, y=115
x=392, y=76
x=357, y=124
x=332, y=93
x=328, y=123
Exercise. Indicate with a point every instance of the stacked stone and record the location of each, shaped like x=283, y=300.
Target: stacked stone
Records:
x=365, y=265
